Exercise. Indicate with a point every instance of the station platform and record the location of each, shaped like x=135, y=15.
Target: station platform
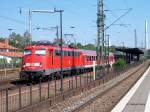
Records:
x=138, y=97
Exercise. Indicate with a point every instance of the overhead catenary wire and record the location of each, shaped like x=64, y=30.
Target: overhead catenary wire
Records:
x=23, y=23
x=113, y=14
x=12, y=19
x=118, y=18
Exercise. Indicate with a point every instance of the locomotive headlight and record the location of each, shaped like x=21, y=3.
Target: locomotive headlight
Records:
x=36, y=64
x=27, y=64
x=32, y=64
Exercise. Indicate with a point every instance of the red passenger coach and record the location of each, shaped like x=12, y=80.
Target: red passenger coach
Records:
x=42, y=61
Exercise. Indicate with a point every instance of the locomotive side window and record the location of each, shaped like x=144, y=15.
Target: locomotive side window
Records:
x=73, y=53
x=40, y=52
x=65, y=53
x=27, y=52
x=57, y=53
x=69, y=53
x=94, y=58
x=87, y=58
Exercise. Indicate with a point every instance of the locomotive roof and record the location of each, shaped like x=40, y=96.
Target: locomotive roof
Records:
x=49, y=46
x=83, y=51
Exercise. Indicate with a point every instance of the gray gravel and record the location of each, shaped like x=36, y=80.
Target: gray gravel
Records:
x=102, y=104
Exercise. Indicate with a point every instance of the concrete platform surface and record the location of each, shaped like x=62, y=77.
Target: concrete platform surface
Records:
x=138, y=98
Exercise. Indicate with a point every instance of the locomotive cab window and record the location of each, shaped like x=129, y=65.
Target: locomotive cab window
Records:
x=40, y=52
x=27, y=52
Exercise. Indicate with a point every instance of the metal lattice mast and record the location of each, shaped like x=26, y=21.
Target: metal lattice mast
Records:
x=100, y=32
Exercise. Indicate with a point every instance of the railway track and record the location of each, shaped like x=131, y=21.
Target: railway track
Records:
x=9, y=70
x=8, y=77
x=13, y=83
x=96, y=97
x=84, y=99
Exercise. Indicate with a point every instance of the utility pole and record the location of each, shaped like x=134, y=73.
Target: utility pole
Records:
x=7, y=43
x=57, y=32
x=135, y=34
x=30, y=27
x=108, y=46
x=100, y=32
x=61, y=47
x=146, y=36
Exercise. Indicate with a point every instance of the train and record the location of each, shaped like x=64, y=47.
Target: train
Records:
x=44, y=61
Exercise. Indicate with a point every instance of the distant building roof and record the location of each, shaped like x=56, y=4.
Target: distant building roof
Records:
x=5, y=45
x=134, y=51
x=12, y=54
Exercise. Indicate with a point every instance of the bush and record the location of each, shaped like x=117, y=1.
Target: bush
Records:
x=120, y=64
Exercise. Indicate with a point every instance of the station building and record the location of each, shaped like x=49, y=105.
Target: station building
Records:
x=9, y=52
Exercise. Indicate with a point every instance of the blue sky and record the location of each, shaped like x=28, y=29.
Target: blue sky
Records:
x=78, y=13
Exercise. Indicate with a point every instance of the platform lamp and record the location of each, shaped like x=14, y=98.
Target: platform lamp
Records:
x=7, y=43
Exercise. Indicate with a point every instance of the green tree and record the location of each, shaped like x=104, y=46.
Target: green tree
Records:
x=79, y=45
x=90, y=47
x=26, y=38
x=18, y=40
x=120, y=64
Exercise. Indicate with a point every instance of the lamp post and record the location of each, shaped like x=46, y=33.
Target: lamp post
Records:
x=10, y=30
x=61, y=45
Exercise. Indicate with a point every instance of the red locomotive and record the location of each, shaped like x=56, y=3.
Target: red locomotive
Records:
x=42, y=61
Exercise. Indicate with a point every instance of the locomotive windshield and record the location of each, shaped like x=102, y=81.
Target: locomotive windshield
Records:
x=40, y=52
x=27, y=52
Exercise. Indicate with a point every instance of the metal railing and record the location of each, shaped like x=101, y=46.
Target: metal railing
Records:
x=24, y=96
